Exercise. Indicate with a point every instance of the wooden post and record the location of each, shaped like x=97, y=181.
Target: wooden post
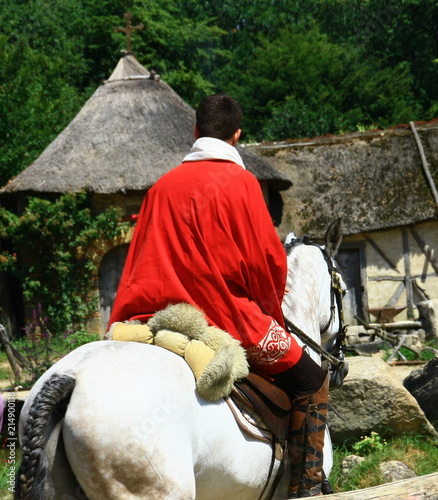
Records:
x=424, y=162
x=426, y=249
x=7, y=346
x=408, y=277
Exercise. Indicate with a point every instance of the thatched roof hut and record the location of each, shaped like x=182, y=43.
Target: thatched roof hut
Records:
x=131, y=131
x=373, y=181
x=382, y=184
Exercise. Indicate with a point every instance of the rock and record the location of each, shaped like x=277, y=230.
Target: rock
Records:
x=423, y=385
x=373, y=399
x=428, y=311
x=394, y=471
x=348, y=464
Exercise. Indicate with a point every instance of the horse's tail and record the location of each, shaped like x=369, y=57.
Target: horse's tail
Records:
x=33, y=482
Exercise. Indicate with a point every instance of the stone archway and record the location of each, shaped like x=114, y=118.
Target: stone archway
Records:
x=110, y=271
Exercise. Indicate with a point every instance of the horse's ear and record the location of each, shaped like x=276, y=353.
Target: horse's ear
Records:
x=333, y=237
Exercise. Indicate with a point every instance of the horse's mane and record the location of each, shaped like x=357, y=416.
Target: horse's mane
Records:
x=292, y=242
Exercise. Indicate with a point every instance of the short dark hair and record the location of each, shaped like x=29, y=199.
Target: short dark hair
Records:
x=218, y=116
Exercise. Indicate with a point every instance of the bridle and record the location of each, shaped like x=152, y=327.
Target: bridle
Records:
x=336, y=294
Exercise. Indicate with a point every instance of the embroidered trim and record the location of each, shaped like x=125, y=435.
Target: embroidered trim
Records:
x=272, y=347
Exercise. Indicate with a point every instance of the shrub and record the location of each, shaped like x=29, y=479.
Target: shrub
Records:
x=50, y=242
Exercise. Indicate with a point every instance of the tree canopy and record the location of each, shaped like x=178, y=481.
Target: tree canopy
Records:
x=299, y=69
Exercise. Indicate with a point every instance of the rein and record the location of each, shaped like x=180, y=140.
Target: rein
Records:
x=314, y=345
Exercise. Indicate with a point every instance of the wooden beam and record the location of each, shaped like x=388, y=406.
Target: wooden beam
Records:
x=397, y=294
x=408, y=276
x=380, y=252
x=398, y=278
x=425, y=248
x=424, y=487
x=399, y=325
x=397, y=348
x=416, y=287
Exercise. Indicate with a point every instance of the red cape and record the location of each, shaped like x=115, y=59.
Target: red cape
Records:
x=204, y=236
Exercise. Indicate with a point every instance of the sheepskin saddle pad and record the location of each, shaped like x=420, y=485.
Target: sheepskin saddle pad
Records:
x=215, y=357
x=219, y=365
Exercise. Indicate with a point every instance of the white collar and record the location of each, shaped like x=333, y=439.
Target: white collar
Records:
x=209, y=148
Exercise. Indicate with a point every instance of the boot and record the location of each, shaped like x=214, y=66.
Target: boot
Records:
x=306, y=441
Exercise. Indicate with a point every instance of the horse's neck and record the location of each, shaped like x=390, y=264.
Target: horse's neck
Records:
x=307, y=302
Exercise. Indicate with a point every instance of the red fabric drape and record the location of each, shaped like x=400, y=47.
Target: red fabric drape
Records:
x=204, y=236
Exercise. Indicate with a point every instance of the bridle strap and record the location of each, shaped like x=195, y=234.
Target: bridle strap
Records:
x=335, y=294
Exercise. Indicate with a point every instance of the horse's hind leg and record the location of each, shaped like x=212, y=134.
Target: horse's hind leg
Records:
x=64, y=483
x=123, y=469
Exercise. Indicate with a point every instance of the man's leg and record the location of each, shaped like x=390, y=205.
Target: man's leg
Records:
x=307, y=385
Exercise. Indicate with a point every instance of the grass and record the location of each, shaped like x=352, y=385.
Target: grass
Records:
x=418, y=452
x=40, y=353
x=8, y=469
x=426, y=354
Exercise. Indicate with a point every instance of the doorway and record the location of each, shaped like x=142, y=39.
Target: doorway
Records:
x=351, y=260
x=110, y=271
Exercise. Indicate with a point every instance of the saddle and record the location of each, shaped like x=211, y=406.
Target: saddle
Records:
x=270, y=402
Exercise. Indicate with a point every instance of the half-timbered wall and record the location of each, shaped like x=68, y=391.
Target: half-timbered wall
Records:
x=399, y=267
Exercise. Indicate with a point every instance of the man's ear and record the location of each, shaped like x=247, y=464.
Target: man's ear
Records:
x=236, y=137
x=196, y=131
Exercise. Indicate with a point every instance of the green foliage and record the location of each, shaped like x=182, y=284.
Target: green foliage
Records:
x=368, y=444
x=53, y=239
x=418, y=452
x=426, y=352
x=40, y=349
x=179, y=44
x=42, y=73
x=8, y=471
x=299, y=69
x=301, y=84
x=35, y=104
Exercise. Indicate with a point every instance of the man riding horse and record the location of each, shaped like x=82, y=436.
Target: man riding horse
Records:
x=204, y=236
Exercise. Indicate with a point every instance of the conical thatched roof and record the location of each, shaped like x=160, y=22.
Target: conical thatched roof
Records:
x=131, y=131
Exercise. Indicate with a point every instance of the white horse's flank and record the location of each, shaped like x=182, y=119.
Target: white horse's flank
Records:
x=135, y=427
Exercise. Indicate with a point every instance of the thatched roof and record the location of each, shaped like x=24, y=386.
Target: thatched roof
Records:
x=131, y=131
x=372, y=180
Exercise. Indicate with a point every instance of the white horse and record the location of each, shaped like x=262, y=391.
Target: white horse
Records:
x=122, y=420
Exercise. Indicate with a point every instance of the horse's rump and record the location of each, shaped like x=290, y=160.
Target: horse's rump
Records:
x=135, y=425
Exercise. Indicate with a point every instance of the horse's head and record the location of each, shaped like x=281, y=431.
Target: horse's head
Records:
x=315, y=287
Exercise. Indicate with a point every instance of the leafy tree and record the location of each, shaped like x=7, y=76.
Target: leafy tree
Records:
x=397, y=32
x=40, y=75
x=297, y=67
x=56, y=269
x=35, y=105
x=301, y=84
x=180, y=44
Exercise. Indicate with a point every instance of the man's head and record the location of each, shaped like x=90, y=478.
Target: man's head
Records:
x=219, y=116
